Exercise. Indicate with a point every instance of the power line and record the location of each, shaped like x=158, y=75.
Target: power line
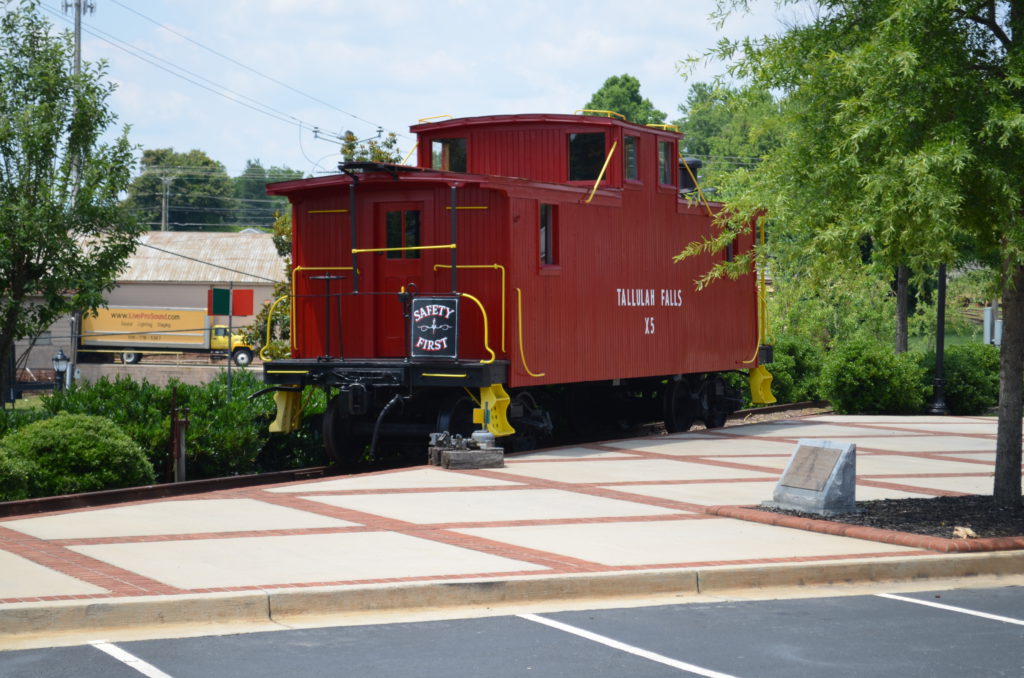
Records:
x=249, y=68
x=235, y=97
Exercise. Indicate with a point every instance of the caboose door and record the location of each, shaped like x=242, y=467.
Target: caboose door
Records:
x=398, y=226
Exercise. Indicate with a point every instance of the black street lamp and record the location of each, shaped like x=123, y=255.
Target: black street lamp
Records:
x=60, y=367
x=939, y=385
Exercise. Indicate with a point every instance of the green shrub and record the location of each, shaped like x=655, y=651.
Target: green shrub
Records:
x=70, y=453
x=862, y=376
x=12, y=420
x=972, y=377
x=796, y=370
x=222, y=438
x=140, y=409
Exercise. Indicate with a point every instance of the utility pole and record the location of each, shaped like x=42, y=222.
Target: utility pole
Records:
x=80, y=6
x=164, y=199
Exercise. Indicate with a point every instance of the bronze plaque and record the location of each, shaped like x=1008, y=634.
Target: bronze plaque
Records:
x=811, y=467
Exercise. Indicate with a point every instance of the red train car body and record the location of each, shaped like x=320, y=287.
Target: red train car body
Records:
x=528, y=256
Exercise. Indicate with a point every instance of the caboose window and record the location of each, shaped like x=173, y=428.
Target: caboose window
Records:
x=586, y=156
x=632, y=169
x=403, y=230
x=666, y=161
x=548, y=242
x=449, y=154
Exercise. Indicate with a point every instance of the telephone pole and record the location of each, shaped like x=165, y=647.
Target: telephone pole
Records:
x=80, y=6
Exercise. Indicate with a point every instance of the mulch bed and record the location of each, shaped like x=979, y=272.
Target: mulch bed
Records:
x=931, y=516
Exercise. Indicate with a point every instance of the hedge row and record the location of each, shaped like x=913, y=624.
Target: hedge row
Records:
x=864, y=376
x=222, y=439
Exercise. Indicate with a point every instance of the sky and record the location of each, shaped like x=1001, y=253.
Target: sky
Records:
x=255, y=77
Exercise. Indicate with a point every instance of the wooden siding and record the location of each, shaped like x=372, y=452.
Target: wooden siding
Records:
x=614, y=305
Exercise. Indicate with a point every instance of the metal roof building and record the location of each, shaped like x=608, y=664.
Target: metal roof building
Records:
x=176, y=269
x=190, y=256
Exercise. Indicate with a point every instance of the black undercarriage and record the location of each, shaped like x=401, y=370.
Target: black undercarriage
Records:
x=391, y=406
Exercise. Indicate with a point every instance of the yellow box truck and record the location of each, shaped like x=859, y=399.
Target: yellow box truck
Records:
x=133, y=332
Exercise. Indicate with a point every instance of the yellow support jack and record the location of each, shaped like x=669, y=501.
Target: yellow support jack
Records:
x=493, y=412
x=289, y=411
x=761, y=386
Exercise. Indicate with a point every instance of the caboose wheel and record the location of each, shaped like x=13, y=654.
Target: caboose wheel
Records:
x=716, y=401
x=680, y=406
x=340, y=443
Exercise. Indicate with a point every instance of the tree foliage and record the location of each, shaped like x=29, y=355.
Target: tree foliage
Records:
x=64, y=236
x=198, y=190
x=252, y=204
x=370, y=150
x=728, y=127
x=904, y=138
x=621, y=94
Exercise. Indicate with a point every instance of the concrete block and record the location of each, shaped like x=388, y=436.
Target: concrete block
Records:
x=487, y=457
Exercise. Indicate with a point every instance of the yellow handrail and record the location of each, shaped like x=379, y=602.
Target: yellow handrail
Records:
x=414, y=147
x=762, y=305
x=436, y=117
x=601, y=175
x=522, y=358
x=405, y=249
x=763, y=291
x=300, y=269
x=498, y=267
x=667, y=128
x=270, y=318
x=487, y=344
x=689, y=171
x=598, y=110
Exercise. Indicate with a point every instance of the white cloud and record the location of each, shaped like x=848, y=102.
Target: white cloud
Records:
x=388, y=63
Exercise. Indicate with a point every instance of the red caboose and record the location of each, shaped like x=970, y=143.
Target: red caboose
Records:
x=524, y=268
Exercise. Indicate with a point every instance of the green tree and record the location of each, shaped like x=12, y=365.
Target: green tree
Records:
x=728, y=127
x=253, y=207
x=904, y=137
x=370, y=150
x=196, y=187
x=64, y=236
x=621, y=94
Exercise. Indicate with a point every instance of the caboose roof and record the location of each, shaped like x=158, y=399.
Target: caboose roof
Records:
x=534, y=119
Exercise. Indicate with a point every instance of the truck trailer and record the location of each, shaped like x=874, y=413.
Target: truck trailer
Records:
x=133, y=332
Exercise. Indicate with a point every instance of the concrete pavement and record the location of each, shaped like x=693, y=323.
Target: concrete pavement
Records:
x=639, y=517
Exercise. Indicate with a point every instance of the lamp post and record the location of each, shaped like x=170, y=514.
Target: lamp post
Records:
x=60, y=368
x=939, y=385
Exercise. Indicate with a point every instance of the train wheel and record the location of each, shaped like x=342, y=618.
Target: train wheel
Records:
x=713, y=402
x=455, y=415
x=680, y=406
x=340, y=444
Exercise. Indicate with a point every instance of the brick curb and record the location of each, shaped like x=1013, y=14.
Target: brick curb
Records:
x=42, y=624
x=917, y=541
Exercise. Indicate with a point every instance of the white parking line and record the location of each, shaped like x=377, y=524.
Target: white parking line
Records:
x=951, y=608
x=129, y=659
x=610, y=642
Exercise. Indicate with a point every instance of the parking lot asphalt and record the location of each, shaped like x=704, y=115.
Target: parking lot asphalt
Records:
x=657, y=515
